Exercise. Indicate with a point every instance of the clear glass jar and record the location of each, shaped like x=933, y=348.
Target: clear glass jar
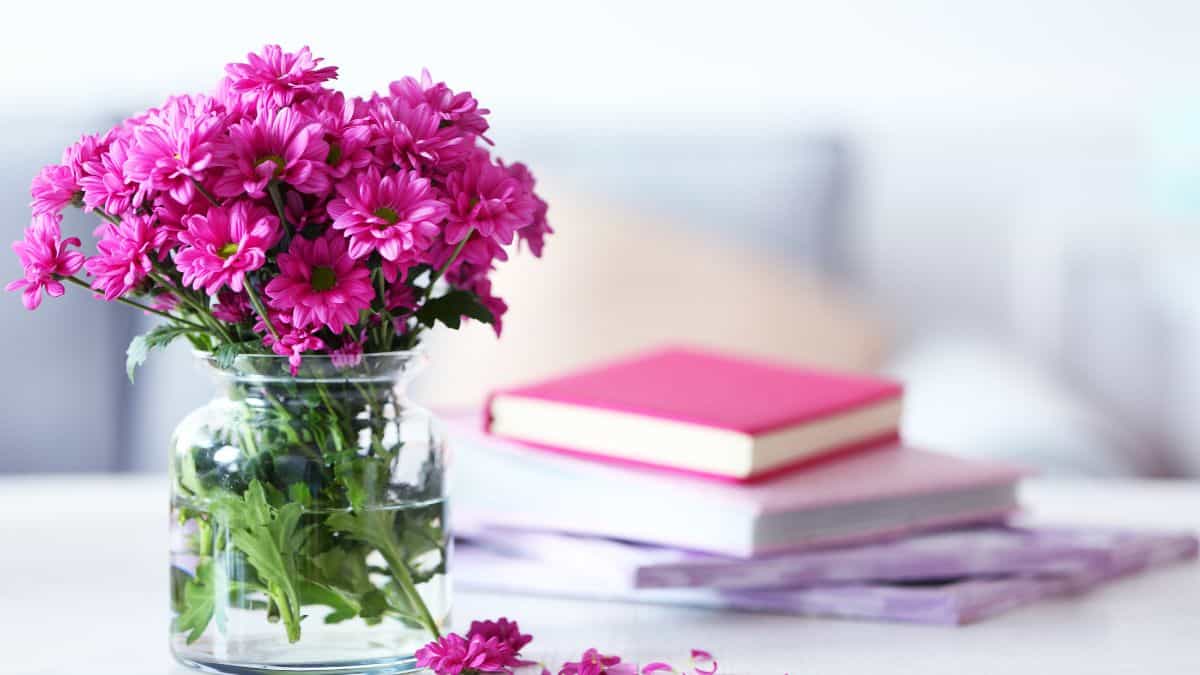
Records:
x=308, y=519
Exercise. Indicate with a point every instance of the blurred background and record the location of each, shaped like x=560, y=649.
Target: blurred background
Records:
x=996, y=202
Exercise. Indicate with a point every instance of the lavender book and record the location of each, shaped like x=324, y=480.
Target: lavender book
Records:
x=946, y=578
x=973, y=552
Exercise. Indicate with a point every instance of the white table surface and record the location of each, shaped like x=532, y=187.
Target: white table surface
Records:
x=83, y=589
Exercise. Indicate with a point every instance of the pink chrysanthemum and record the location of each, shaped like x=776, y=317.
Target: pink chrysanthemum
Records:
x=44, y=255
x=124, y=257
x=320, y=284
x=171, y=215
x=105, y=184
x=303, y=210
x=595, y=663
x=453, y=654
x=397, y=214
x=346, y=130
x=278, y=76
x=89, y=148
x=482, y=287
x=413, y=136
x=58, y=185
x=401, y=301
x=534, y=235
x=233, y=307
x=293, y=342
x=504, y=631
x=348, y=354
x=459, y=110
x=173, y=147
x=238, y=105
x=164, y=301
x=220, y=247
x=53, y=189
x=487, y=199
x=280, y=144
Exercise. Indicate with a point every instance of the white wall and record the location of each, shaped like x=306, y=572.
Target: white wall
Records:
x=918, y=61
x=963, y=111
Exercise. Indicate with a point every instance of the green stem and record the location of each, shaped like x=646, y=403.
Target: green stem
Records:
x=376, y=427
x=261, y=309
x=385, y=332
x=289, y=609
x=343, y=438
x=277, y=200
x=214, y=325
x=282, y=410
x=109, y=217
x=207, y=195
x=446, y=267
x=404, y=579
x=145, y=308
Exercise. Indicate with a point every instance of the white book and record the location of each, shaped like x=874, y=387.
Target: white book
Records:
x=870, y=495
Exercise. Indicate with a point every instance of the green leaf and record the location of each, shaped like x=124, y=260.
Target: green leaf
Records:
x=136, y=355
x=157, y=338
x=227, y=352
x=270, y=538
x=345, y=569
x=451, y=307
x=350, y=474
x=224, y=355
x=258, y=510
x=378, y=528
x=298, y=492
x=374, y=605
x=179, y=581
x=315, y=594
x=402, y=605
x=197, y=603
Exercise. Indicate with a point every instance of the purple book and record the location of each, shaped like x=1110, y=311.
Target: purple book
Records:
x=597, y=569
x=973, y=552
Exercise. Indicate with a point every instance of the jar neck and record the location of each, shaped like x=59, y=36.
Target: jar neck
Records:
x=317, y=380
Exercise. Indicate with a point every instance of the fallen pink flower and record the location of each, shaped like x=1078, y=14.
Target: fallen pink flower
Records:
x=706, y=658
x=506, y=632
x=595, y=663
x=453, y=654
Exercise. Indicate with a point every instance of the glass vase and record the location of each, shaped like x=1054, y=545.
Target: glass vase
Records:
x=308, y=519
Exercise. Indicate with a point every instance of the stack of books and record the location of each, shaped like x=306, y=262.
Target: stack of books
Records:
x=683, y=476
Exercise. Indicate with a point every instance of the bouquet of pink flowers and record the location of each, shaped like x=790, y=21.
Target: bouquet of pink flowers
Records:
x=280, y=214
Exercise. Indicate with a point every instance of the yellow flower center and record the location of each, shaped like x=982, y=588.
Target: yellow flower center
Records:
x=228, y=249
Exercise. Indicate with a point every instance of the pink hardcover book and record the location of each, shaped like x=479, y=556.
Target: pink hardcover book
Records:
x=870, y=495
x=702, y=413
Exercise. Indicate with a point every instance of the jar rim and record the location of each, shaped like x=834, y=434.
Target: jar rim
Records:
x=378, y=366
